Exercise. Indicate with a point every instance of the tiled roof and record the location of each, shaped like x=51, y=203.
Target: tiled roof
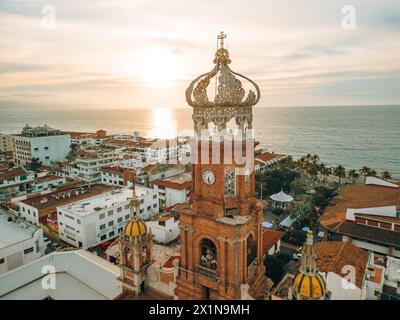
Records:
x=378, y=235
x=267, y=156
x=48, y=178
x=358, y=196
x=333, y=256
x=270, y=238
x=13, y=172
x=113, y=169
x=378, y=217
x=178, y=182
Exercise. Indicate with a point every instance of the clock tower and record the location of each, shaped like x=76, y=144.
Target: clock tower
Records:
x=221, y=226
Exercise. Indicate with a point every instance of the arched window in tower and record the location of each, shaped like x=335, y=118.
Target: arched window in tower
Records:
x=251, y=249
x=208, y=254
x=229, y=183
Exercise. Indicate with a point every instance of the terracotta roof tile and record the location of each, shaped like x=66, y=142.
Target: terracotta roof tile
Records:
x=270, y=238
x=333, y=256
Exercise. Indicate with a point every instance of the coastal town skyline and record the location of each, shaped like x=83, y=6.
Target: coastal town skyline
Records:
x=68, y=54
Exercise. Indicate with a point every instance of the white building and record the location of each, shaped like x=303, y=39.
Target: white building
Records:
x=14, y=181
x=88, y=163
x=112, y=176
x=165, y=229
x=78, y=275
x=173, y=190
x=48, y=182
x=43, y=143
x=6, y=142
x=20, y=242
x=89, y=222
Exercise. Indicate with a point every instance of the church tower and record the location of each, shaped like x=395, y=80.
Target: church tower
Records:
x=221, y=227
x=135, y=248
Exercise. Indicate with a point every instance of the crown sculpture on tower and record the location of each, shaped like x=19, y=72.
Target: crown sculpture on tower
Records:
x=230, y=99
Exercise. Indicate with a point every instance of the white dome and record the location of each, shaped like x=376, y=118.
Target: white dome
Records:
x=282, y=197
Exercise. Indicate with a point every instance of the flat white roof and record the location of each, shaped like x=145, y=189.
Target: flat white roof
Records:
x=13, y=232
x=105, y=200
x=79, y=275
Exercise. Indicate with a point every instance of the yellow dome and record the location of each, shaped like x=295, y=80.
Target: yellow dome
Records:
x=135, y=228
x=309, y=286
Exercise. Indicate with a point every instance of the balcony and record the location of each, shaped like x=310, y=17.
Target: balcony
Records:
x=207, y=273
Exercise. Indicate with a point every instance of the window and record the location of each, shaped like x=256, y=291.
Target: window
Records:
x=126, y=206
x=141, y=201
x=1, y=260
x=155, y=205
x=119, y=209
x=110, y=213
x=102, y=216
x=111, y=234
x=141, y=211
x=29, y=250
x=78, y=221
x=154, y=196
x=46, y=148
x=127, y=217
x=119, y=220
x=103, y=237
x=148, y=208
x=111, y=223
x=102, y=226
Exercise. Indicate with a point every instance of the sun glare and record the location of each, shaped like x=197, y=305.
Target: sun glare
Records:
x=163, y=124
x=158, y=66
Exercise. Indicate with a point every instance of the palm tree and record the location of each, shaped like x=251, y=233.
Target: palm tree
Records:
x=339, y=172
x=365, y=171
x=386, y=175
x=353, y=175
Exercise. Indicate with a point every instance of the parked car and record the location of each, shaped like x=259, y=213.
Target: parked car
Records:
x=47, y=241
x=56, y=246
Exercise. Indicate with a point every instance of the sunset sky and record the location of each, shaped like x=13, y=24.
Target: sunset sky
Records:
x=143, y=53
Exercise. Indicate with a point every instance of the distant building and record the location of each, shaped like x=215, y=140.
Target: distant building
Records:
x=48, y=182
x=173, y=190
x=367, y=216
x=150, y=172
x=112, y=176
x=20, y=243
x=88, y=163
x=266, y=160
x=86, y=138
x=6, y=142
x=36, y=209
x=44, y=143
x=91, y=221
x=14, y=181
x=165, y=229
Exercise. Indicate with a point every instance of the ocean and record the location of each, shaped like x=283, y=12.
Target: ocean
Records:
x=352, y=136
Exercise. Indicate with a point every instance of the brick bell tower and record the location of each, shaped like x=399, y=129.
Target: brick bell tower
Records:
x=221, y=226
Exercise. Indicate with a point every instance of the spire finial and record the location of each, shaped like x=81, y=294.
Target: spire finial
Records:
x=221, y=38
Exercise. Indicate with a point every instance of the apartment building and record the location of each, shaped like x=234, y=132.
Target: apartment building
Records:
x=112, y=176
x=44, y=143
x=173, y=190
x=14, y=181
x=6, y=142
x=89, y=222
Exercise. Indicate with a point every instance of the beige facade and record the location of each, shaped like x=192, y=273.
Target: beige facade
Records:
x=6, y=142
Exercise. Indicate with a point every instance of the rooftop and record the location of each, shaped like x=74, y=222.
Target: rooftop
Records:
x=80, y=276
x=48, y=178
x=179, y=182
x=270, y=238
x=358, y=196
x=14, y=232
x=104, y=200
x=113, y=169
x=334, y=255
x=64, y=196
x=11, y=173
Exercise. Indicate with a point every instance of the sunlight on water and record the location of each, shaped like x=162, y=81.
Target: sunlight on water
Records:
x=163, y=124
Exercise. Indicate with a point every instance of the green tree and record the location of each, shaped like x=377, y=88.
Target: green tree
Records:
x=339, y=172
x=386, y=175
x=35, y=164
x=353, y=175
x=365, y=171
x=274, y=268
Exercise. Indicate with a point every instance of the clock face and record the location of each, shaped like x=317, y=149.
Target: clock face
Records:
x=208, y=177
